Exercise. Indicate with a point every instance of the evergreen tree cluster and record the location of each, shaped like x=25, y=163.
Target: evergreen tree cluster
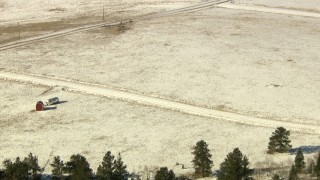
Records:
x=234, y=167
x=22, y=169
x=164, y=174
x=111, y=169
x=299, y=167
x=77, y=168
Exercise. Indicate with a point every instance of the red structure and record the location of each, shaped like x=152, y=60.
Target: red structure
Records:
x=40, y=106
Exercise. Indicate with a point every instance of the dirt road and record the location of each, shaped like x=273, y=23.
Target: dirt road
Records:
x=100, y=90
x=270, y=10
x=193, y=8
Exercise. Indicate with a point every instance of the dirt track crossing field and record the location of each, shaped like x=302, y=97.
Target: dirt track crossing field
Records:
x=100, y=90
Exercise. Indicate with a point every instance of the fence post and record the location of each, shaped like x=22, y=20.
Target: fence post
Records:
x=19, y=30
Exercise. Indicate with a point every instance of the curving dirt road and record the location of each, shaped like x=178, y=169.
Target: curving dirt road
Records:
x=100, y=90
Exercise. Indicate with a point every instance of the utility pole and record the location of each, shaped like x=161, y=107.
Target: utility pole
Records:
x=19, y=30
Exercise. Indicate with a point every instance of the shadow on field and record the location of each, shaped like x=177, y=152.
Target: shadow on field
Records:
x=305, y=149
x=50, y=108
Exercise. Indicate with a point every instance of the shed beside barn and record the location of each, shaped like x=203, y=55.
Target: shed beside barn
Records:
x=52, y=101
x=40, y=106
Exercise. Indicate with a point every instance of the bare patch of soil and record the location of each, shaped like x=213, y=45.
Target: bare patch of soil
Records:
x=19, y=31
x=114, y=30
x=57, y=10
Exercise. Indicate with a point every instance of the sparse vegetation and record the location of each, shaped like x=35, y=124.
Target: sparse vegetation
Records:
x=310, y=167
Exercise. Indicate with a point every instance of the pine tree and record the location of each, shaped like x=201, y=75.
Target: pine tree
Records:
x=57, y=167
x=164, y=174
x=120, y=170
x=299, y=162
x=105, y=170
x=33, y=166
x=202, y=159
x=235, y=167
x=78, y=168
x=279, y=141
x=293, y=173
x=317, y=167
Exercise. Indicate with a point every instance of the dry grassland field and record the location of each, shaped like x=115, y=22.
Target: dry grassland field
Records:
x=151, y=88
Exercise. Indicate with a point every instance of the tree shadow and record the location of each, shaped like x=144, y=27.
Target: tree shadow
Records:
x=305, y=149
x=50, y=108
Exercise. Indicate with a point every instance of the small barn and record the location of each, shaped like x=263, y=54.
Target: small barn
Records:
x=40, y=106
